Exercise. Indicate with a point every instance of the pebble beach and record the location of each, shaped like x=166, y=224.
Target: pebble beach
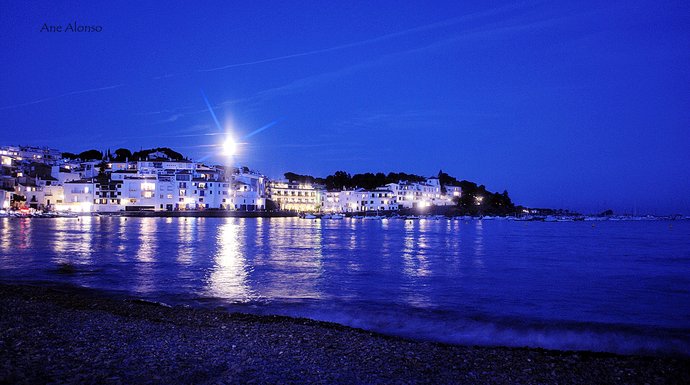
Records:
x=73, y=336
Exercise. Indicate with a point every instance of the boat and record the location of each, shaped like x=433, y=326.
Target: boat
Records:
x=336, y=216
x=309, y=216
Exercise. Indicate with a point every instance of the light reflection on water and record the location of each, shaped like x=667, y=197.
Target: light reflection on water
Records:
x=479, y=244
x=24, y=236
x=229, y=275
x=185, y=237
x=439, y=279
x=122, y=240
x=60, y=244
x=146, y=256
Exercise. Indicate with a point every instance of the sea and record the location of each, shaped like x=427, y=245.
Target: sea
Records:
x=608, y=286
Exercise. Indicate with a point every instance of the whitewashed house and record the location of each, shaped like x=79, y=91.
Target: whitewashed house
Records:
x=79, y=196
x=296, y=196
x=380, y=199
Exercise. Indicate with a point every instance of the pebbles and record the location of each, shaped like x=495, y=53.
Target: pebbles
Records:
x=49, y=336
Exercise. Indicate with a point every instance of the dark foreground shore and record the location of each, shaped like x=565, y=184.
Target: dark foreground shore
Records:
x=76, y=336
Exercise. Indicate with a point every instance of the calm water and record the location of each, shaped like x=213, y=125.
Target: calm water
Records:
x=615, y=286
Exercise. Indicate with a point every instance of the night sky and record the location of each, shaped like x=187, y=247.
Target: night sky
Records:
x=584, y=106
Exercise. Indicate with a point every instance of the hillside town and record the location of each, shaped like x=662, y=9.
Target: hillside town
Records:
x=42, y=180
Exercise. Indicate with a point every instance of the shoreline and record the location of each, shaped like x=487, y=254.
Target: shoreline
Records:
x=76, y=335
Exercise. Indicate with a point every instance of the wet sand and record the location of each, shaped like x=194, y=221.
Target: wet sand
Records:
x=50, y=335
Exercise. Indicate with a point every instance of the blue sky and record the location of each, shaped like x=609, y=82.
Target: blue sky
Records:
x=581, y=105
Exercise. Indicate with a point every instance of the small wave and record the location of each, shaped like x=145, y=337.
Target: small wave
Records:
x=485, y=330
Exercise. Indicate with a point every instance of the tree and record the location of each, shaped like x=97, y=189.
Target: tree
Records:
x=122, y=155
x=90, y=155
x=291, y=176
x=366, y=181
x=143, y=154
x=102, y=167
x=395, y=177
x=338, y=181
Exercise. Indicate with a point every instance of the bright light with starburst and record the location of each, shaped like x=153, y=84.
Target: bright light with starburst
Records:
x=229, y=147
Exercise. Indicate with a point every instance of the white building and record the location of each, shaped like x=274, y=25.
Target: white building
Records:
x=453, y=191
x=79, y=196
x=5, y=199
x=331, y=202
x=53, y=195
x=86, y=170
x=40, y=194
x=29, y=153
x=380, y=199
x=165, y=167
x=419, y=195
x=64, y=174
x=137, y=193
x=296, y=196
